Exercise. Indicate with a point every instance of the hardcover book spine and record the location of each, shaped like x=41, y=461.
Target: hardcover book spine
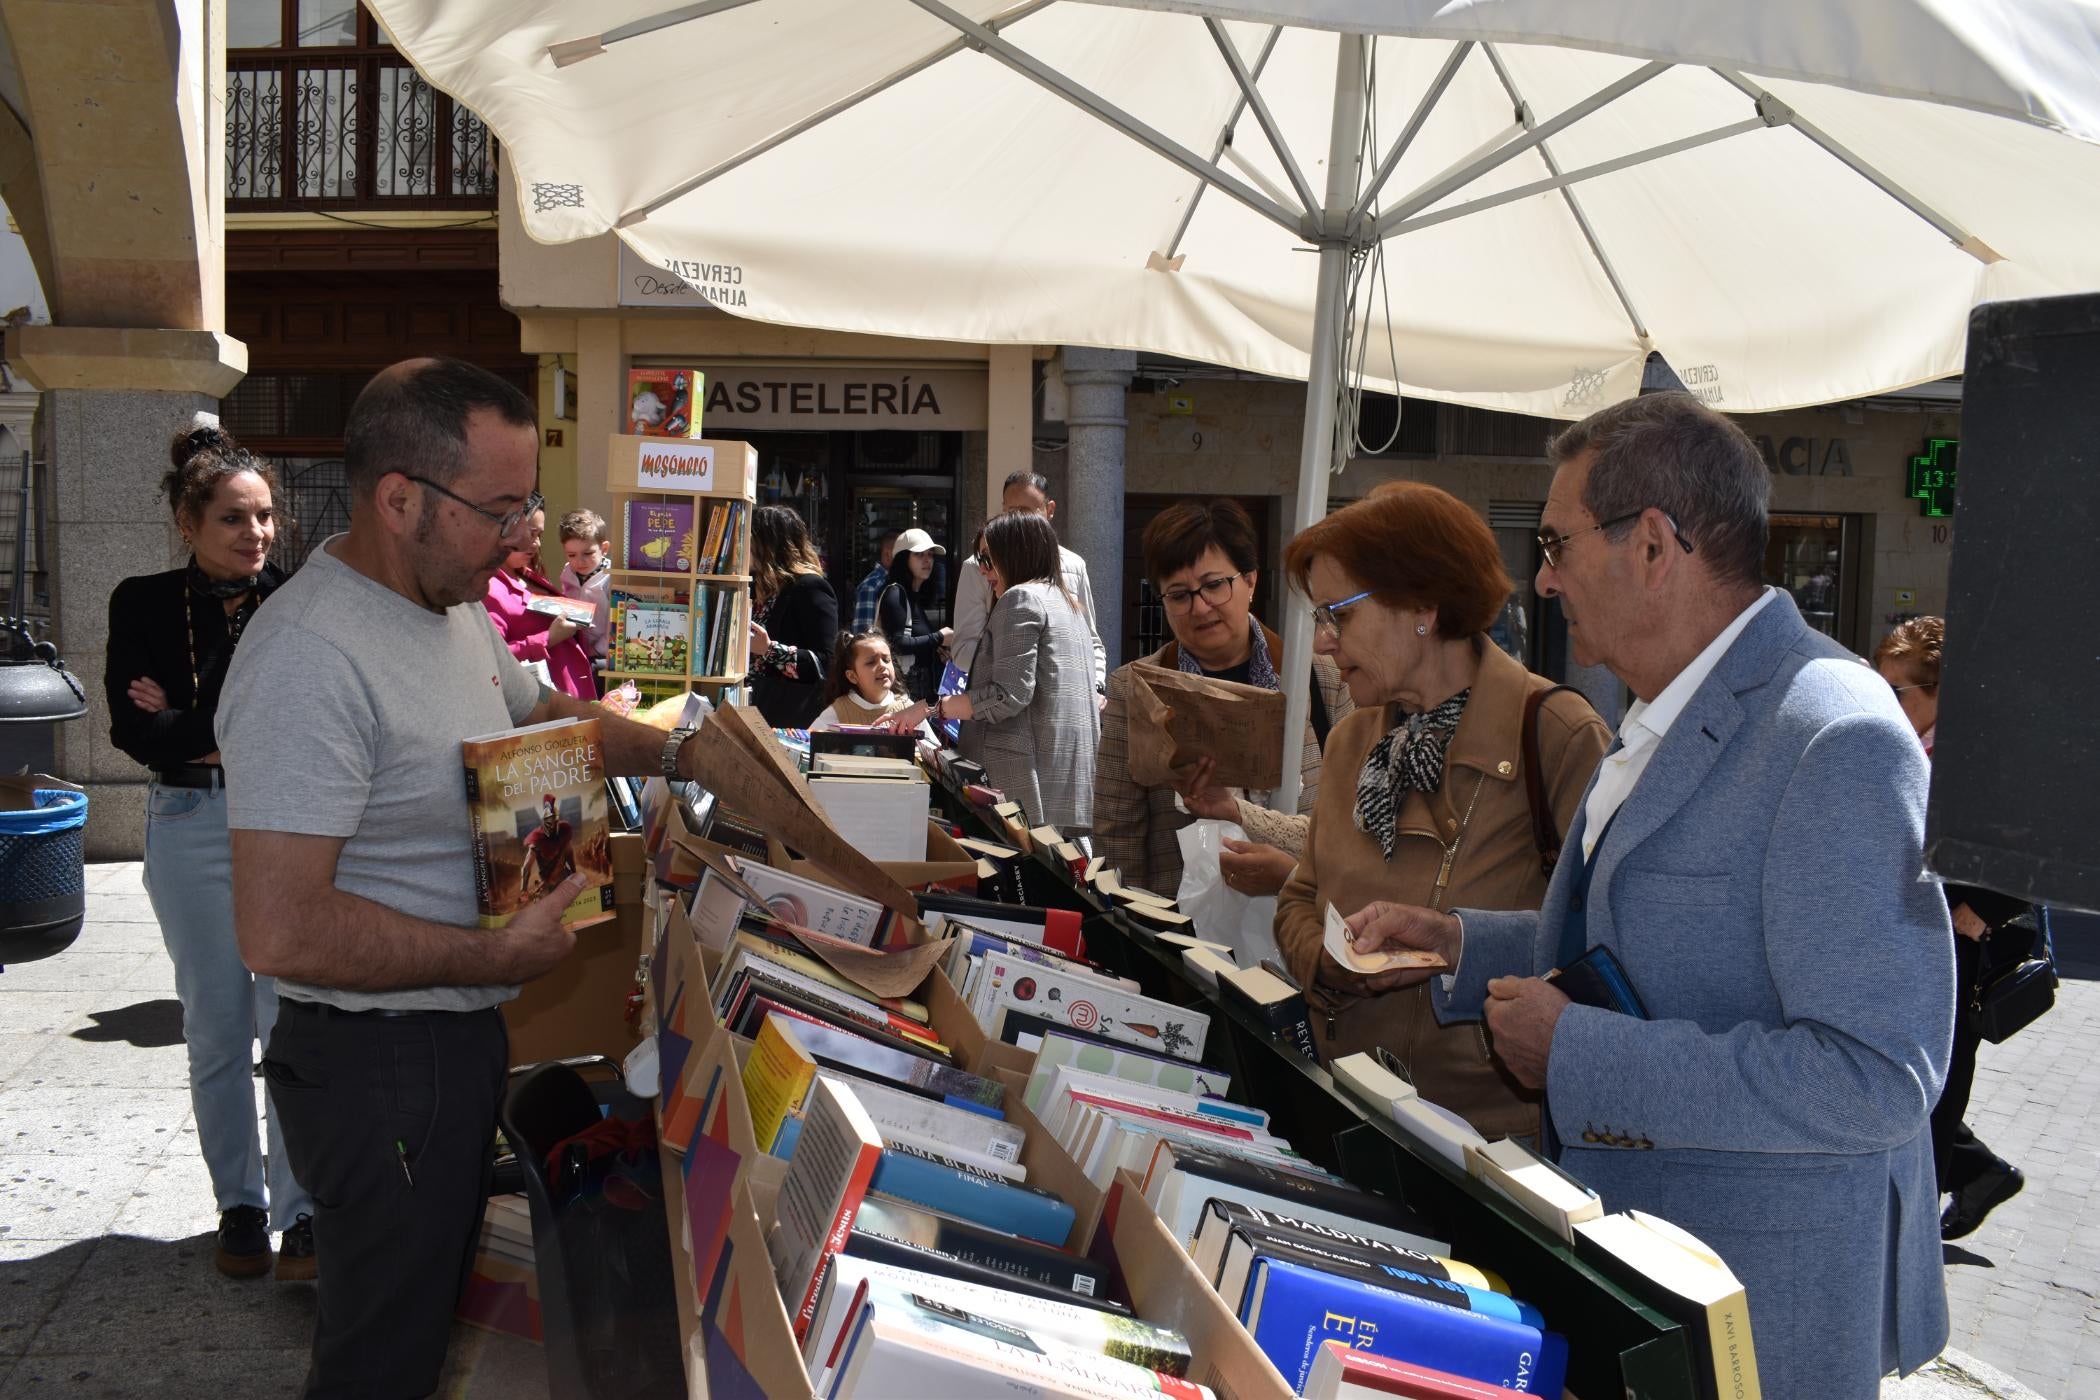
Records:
x=1326, y=1237
x=1415, y=1283
x=1291, y=1310
x=984, y=1246
x=997, y=1205
x=482, y=901
x=1335, y=1200
x=1288, y=1019
x=1061, y=1285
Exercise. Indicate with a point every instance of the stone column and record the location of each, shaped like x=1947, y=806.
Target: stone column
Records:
x=1090, y=519
x=113, y=400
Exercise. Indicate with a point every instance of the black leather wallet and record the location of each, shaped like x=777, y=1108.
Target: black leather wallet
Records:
x=1596, y=979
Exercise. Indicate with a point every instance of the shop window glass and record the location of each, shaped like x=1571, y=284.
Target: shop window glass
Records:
x=1805, y=555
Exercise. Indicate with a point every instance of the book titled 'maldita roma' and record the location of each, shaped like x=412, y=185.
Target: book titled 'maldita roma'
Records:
x=537, y=799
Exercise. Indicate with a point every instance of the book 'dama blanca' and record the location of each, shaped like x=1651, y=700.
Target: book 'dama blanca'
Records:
x=536, y=798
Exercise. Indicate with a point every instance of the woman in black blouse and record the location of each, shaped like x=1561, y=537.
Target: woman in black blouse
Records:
x=795, y=622
x=901, y=613
x=171, y=636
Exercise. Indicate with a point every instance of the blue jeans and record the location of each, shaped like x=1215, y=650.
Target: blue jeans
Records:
x=225, y=1008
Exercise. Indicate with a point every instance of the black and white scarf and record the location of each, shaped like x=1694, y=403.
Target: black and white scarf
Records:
x=1409, y=758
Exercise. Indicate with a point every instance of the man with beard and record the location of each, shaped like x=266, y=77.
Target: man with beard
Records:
x=342, y=720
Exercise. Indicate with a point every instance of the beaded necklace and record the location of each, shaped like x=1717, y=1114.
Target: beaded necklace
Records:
x=247, y=590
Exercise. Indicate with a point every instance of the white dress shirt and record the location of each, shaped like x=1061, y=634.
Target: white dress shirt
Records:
x=1641, y=732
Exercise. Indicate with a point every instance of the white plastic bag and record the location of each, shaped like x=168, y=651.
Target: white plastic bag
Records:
x=1222, y=914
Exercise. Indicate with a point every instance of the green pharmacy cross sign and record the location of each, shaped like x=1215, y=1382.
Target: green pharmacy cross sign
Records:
x=1932, y=477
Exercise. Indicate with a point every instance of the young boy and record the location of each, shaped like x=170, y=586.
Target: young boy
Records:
x=588, y=576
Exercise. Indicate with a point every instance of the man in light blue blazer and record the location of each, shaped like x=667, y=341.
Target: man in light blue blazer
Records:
x=1751, y=851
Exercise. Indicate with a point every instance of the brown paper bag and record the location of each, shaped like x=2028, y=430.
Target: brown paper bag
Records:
x=1177, y=719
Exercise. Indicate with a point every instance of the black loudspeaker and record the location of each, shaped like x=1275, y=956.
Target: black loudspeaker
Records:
x=2015, y=800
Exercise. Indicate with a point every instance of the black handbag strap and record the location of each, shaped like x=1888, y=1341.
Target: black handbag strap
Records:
x=1542, y=833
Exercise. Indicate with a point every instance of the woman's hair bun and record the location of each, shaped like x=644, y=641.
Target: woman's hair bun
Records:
x=206, y=437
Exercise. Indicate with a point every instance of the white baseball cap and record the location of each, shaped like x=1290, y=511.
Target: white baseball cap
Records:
x=916, y=541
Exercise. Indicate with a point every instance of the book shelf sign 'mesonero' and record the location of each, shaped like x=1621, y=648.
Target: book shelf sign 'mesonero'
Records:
x=671, y=465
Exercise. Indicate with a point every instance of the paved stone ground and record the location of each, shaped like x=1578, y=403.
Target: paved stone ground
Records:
x=106, y=1216
x=2025, y=1289
x=107, y=1288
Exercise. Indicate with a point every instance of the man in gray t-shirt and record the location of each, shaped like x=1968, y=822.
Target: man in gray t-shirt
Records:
x=366, y=748
x=340, y=727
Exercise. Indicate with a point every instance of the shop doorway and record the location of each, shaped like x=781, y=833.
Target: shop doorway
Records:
x=1815, y=558
x=852, y=487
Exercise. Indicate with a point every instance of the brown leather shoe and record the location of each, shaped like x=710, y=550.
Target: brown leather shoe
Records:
x=295, y=1253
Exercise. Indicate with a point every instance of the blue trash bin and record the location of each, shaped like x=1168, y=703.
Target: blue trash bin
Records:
x=43, y=877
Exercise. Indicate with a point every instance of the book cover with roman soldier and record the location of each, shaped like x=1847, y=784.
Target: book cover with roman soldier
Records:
x=537, y=800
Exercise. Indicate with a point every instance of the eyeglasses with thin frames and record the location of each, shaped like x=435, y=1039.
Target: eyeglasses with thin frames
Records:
x=1552, y=542
x=1213, y=591
x=1323, y=614
x=506, y=524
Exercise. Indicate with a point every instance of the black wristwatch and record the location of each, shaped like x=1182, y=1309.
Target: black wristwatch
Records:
x=672, y=745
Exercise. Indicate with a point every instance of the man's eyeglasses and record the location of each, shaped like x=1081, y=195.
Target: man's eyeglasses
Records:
x=1552, y=542
x=1213, y=591
x=506, y=524
x=1323, y=614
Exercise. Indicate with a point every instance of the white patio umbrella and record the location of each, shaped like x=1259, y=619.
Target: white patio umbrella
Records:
x=1506, y=203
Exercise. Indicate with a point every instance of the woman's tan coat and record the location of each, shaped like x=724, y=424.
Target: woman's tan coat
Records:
x=1496, y=866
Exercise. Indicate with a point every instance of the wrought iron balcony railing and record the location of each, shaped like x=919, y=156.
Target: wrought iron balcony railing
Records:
x=322, y=129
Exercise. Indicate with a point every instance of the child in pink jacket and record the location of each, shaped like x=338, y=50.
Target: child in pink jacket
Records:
x=538, y=636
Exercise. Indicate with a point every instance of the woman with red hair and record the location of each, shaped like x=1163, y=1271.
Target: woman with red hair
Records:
x=1428, y=792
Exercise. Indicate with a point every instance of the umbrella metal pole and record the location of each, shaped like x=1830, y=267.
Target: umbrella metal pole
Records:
x=1316, y=451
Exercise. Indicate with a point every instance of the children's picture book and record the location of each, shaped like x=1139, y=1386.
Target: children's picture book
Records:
x=653, y=638
x=574, y=610
x=537, y=800
x=662, y=535
x=664, y=402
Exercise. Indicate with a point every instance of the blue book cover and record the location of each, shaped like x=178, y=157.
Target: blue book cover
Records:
x=1291, y=1310
x=958, y=1191
x=981, y=1200
x=954, y=681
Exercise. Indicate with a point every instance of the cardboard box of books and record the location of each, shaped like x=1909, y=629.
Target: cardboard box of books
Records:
x=1165, y=1288
x=945, y=864
x=803, y=1281
x=1049, y=1163
x=883, y=1165
x=738, y=1337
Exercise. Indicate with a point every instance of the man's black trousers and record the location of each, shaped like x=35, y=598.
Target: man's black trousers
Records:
x=389, y=1121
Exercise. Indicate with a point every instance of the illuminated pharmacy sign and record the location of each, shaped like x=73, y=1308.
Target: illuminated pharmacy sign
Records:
x=1932, y=477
